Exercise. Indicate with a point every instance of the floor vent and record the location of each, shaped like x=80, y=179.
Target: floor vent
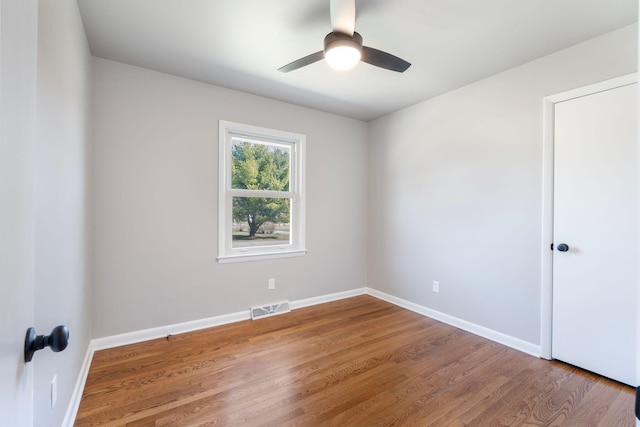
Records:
x=270, y=310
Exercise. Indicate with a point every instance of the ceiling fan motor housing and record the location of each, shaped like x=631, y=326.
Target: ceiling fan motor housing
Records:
x=336, y=39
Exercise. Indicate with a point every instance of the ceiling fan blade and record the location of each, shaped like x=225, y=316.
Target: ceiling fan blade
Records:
x=302, y=62
x=343, y=16
x=383, y=59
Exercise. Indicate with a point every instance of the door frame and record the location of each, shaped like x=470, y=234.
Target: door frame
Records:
x=549, y=102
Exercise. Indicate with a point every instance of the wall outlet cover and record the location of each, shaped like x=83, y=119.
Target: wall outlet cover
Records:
x=54, y=390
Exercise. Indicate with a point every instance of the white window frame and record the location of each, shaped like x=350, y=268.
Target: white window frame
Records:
x=226, y=253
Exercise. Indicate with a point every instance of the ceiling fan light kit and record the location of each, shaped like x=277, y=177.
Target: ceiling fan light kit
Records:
x=342, y=51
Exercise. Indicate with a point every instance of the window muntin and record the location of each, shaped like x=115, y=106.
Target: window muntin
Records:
x=261, y=193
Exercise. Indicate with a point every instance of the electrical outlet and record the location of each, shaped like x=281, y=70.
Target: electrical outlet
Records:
x=436, y=286
x=54, y=391
x=272, y=283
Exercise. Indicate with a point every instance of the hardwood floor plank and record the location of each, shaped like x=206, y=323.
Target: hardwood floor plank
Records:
x=620, y=410
x=353, y=362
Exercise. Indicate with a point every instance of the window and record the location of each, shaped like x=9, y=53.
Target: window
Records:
x=261, y=193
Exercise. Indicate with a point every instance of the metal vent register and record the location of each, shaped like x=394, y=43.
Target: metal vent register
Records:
x=259, y=312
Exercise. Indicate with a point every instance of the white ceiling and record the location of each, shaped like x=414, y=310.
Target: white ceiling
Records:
x=240, y=44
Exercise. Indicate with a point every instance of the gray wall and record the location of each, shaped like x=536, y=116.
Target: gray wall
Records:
x=155, y=202
x=455, y=189
x=62, y=222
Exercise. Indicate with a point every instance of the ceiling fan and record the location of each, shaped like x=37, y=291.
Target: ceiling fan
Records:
x=343, y=47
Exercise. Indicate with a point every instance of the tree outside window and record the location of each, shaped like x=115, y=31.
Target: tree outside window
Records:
x=258, y=166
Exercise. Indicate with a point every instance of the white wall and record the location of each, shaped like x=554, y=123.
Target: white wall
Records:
x=18, y=56
x=455, y=189
x=155, y=202
x=62, y=223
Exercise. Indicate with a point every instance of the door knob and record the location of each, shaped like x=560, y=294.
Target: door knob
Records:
x=563, y=247
x=57, y=340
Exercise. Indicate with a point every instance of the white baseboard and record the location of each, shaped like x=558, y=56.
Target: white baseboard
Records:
x=163, y=331
x=327, y=298
x=179, y=328
x=76, y=396
x=490, y=334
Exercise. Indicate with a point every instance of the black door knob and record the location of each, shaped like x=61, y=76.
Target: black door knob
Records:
x=563, y=247
x=57, y=340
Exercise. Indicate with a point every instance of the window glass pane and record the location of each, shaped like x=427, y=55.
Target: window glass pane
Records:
x=260, y=221
x=258, y=165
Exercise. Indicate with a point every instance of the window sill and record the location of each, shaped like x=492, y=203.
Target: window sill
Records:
x=246, y=257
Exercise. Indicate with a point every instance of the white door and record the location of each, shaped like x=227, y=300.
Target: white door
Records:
x=18, y=43
x=594, y=280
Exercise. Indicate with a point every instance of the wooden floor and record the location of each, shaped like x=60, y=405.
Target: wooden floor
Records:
x=354, y=362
